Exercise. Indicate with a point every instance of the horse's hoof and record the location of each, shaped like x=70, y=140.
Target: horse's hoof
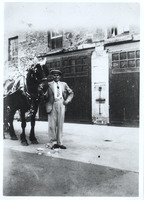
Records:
x=24, y=143
x=14, y=138
x=34, y=142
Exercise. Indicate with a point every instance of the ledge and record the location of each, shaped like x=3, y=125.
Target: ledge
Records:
x=121, y=39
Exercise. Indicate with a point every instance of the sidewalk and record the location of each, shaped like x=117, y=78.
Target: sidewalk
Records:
x=116, y=147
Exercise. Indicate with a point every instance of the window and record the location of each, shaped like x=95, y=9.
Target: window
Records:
x=13, y=47
x=130, y=59
x=56, y=34
x=112, y=32
x=75, y=66
x=55, y=39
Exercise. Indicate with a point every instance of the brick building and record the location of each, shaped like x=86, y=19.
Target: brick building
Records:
x=101, y=65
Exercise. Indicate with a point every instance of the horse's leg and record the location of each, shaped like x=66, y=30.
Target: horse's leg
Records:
x=5, y=122
x=11, y=127
x=23, y=125
x=32, y=131
x=6, y=127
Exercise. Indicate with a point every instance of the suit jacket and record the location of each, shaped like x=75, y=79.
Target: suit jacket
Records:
x=67, y=94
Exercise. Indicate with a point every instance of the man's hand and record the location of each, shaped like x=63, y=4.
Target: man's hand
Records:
x=65, y=103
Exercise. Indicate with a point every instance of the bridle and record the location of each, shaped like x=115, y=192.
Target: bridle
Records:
x=31, y=96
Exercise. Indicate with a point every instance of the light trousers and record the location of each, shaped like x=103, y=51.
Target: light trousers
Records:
x=55, y=122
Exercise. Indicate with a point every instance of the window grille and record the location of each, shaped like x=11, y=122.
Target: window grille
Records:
x=129, y=59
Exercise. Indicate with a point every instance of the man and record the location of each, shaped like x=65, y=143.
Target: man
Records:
x=58, y=96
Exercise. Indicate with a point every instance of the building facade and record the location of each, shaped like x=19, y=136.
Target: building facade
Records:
x=101, y=66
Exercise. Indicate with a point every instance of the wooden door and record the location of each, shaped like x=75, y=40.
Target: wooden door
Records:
x=124, y=87
x=76, y=72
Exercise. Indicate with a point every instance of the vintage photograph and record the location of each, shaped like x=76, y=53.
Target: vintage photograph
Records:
x=71, y=99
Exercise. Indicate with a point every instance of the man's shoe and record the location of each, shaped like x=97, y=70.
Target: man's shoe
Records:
x=55, y=146
x=48, y=145
x=62, y=147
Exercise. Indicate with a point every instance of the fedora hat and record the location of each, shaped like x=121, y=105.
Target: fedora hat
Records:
x=55, y=71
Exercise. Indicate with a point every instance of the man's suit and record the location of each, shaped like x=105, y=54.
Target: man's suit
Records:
x=55, y=107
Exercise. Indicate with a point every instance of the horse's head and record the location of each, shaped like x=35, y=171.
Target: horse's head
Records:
x=36, y=79
x=38, y=73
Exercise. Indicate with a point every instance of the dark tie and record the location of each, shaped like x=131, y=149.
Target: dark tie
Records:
x=58, y=90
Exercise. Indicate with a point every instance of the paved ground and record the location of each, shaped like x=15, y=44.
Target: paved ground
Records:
x=27, y=174
x=116, y=147
x=98, y=161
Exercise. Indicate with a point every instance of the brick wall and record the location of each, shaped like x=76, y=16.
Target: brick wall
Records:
x=31, y=45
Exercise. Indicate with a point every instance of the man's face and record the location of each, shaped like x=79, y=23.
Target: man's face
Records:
x=56, y=77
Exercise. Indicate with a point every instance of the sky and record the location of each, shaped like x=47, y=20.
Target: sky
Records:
x=42, y=16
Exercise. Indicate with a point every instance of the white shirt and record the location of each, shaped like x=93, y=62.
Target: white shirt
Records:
x=55, y=90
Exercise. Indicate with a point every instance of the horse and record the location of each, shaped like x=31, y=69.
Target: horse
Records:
x=25, y=99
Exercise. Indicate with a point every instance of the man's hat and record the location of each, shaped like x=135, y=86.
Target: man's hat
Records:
x=55, y=71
